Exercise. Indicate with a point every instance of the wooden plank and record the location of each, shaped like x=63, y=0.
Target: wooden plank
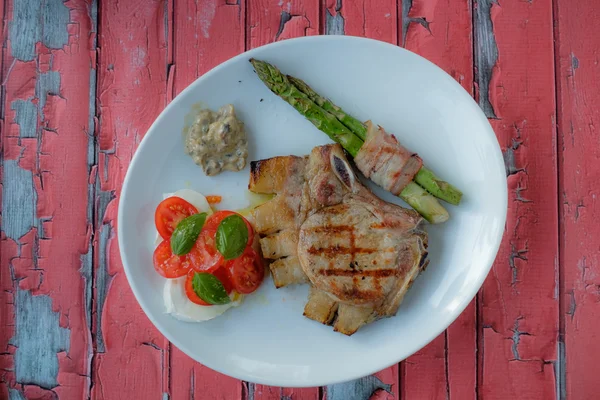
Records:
x=45, y=336
x=519, y=301
x=191, y=380
x=372, y=19
x=262, y=392
x=131, y=355
x=206, y=34
x=578, y=73
x=441, y=32
x=376, y=20
x=6, y=284
x=269, y=21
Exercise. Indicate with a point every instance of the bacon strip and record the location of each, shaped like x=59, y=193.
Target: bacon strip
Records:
x=385, y=161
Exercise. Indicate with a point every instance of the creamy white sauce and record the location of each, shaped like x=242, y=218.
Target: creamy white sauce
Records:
x=175, y=300
x=216, y=141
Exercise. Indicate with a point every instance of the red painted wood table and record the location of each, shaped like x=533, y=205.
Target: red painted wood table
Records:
x=82, y=80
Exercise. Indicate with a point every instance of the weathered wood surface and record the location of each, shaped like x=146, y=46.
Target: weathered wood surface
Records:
x=519, y=302
x=82, y=80
x=577, y=77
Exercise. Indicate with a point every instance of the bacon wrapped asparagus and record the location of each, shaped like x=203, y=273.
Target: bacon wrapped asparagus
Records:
x=377, y=154
x=424, y=176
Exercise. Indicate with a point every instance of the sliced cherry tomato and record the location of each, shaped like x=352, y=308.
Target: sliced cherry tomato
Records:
x=189, y=290
x=213, y=221
x=169, y=213
x=247, y=271
x=204, y=256
x=225, y=277
x=168, y=264
x=221, y=273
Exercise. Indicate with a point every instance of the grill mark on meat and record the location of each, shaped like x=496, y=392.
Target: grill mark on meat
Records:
x=331, y=229
x=345, y=233
x=352, y=246
x=377, y=284
x=387, y=225
x=372, y=273
x=337, y=250
x=356, y=293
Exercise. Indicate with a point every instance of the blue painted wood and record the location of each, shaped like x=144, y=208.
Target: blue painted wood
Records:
x=359, y=389
x=14, y=394
x=19, y=200
x=38, y=339
x=35, y=22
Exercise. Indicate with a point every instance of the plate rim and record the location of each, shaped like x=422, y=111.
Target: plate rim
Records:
x=321, y=381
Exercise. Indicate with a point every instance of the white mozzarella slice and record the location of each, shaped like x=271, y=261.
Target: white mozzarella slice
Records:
x=179, y=306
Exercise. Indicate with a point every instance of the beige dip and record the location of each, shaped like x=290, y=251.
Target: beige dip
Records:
x=216, y=141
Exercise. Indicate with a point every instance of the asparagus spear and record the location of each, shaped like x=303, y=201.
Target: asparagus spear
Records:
x=425, y=177
x=326, y=122
x=424, y=203
x=352, y=123
x=413, y=194
x=437, y=187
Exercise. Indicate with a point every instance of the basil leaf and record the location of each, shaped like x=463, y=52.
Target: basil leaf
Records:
x=232, y=237
x=185, y=234
x=209, y=288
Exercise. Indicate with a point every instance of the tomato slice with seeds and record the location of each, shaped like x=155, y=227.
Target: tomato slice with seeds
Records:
x=189, y=290
x=168, y=264
x=212, y=224
x=204, y=256
x=221, y=273
x=169, y=213
x=247, y=271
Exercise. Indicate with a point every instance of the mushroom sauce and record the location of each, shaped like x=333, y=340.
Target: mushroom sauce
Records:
x=216, y=141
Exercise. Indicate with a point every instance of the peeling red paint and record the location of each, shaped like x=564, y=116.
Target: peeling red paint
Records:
x=389, y=376
x=160, y=48
x=268, y=20
x=496, y=88
x=132, y=63
x=519, y=308
x=190, y=379
x=424, y=374
x=372, y=19
x=199, y=45
x=262, y=392
x=446, y=368
x=195, y=53
x=47, y=262
x=578, y=73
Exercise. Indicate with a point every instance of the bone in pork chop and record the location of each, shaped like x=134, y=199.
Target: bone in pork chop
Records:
x=359, y=253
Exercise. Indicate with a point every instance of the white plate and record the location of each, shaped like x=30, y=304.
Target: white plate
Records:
x=267, y=340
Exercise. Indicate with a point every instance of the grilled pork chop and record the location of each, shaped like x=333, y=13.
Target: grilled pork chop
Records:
x=359, y=253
